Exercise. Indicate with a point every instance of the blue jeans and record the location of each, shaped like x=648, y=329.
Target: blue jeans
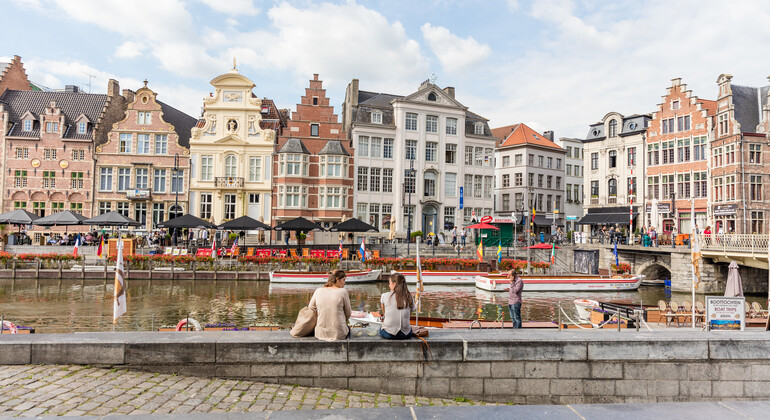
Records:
x=515, y=311
x=399, y=336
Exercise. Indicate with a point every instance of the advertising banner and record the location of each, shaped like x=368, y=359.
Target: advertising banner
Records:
x=726, y=313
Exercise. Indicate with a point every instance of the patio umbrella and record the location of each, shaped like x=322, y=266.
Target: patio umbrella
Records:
x=244, y=223
x=482, y=226
x=18, y=217
x=62, y=218
x=654, y=216
x=392, y=233
x=300, y=224
x=541, y=245
x=187, y=221
x=734, y=285
x=353, y=225
x=111, y=218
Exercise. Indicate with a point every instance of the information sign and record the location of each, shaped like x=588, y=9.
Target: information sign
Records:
x=726, y=313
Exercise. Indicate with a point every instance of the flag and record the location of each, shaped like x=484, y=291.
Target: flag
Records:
x=234, y=247
x=340, y=255
x=500, y=251
x=214, y=246
x=362, y=250
x=77, y=245
x=617, y=261
x=695, y=246
x=99, y=251
x=419, y=287
x=480, y=251
x=553, y=252
x=119, y=306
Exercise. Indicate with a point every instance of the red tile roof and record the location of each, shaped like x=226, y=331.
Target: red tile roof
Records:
x=511, y=135
x=710, y=105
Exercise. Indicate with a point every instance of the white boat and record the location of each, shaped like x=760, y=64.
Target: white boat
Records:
x=575, y=283
x=584, y=307
x=320, y=277
x=444, y=277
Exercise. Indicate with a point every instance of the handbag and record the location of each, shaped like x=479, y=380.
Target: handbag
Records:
x=305, y=324
x=419, y=331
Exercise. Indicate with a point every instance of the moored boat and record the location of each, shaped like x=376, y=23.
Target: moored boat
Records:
x=569, y=283
x=444, y=277
x=320, y=277
x=584, y=307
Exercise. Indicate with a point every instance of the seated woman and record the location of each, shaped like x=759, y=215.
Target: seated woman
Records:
x=396, y=306
x=332, y=304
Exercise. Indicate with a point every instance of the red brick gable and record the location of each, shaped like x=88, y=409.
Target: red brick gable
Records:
x=13, y=76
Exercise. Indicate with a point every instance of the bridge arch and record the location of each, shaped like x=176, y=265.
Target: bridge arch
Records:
x=654, y=270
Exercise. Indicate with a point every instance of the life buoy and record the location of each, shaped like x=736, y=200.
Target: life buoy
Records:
x=196, y=325
x=8, y=326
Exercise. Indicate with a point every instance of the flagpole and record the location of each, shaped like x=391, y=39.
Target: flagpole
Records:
x=693, y=232
x=419, y=280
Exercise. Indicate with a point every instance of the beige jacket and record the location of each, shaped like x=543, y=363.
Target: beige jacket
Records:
x=332, y=305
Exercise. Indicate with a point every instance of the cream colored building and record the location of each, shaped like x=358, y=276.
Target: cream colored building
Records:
x=230, y=152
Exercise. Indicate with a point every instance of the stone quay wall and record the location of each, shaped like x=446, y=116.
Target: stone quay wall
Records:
x=525, y=367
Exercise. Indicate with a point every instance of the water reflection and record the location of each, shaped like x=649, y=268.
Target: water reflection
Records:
x=53, y=305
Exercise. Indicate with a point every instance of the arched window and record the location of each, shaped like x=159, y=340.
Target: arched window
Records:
x=231, y=166
x=432, y=97
x=612, y=186
x=613, y=128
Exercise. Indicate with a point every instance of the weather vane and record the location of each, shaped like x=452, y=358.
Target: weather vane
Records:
x=433, y=78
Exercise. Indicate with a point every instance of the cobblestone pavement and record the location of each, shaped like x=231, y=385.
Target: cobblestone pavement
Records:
x=32, y=390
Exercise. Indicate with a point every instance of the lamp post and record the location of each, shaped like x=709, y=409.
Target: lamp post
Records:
x=409, y=206
x=173, y=185
x=529, y=227
x=673, y=212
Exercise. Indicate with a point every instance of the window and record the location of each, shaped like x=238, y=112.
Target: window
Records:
x=467, y=215
x=487, y=187
x=700, y=184
x=387, y=180
x=314, y=130
x=755, y=153
x=722, y=124
x=411, y=121
x=612, y=187
x=549, y=163
x=468, y=186
x=105, y=179
x=683, y=150
x=730, y=187
x=683, y=185
x=668, y=152
x=631, y=156
x=595, y=160
x=315, y=100
x=653, y=154
x=450, y=155
x=430, y=151
x=757, y=222
x=411, y=149
x=159, y=180
x=20, y=178
x=374, y=179
x=361, y=211
x=429, y=184
x=540, y=161
x=517, y=179
x=230, y=206
x=207, y=168
x=22, y=153
x=549, y=181
x=76, y=180
x=699, y=148
x=376, y=117
x=76, y=207
x=78, y=154
x=577, y=191
x=333, y=166
x=140, y=213
x=143, y=144
x=410, y=178
x=613, y=128
x=631, y=186
x=144, y=117
x=675, y=105
x=82, y=128
x=363, y=146
x=517, y=159
x=49, y=179
x=683, y=123
x=206, y=203
x=177, y=181
x=363, y=179
x=105, y=207
x=613, y=158
x=124, y=179
x=387, y=149
x=506, y=180
x=125, y=143
x=27, y=125
x=668, y=186
x=488, y=157
x=479, y=156
x=478, y=129
x=161, y=144
x=231, y=166
x=332, y=197
x=558, y=182
x=540, y=180
x=376, y=147
x=477, y=181
x=755, y=187
x=653, y=187
x=449, y=218
x=667, y=125
x=569, y=193
x=558, y=163
x=519, y=201
x=468, y=155
x=451, y=126
x=450, y=184
x=19, y=205
x=729, y=154
x=548, y=203
x=51, y=127
x=141, y=178
x=122, y=208
x=255, y=169
x=506, y=161
x=569, y=170
x=431, y=124
x=49, y=154
x=530, y=180
x=158, y=213
x=506, y=202
x=718, y=190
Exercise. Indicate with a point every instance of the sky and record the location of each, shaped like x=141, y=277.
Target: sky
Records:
x=553, y=64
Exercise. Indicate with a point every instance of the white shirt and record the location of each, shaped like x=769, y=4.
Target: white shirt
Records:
x=395, y=319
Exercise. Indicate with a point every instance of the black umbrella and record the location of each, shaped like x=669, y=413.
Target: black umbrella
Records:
x=187, y=221
x=353, y=225
x=111, y=218
x=244, y=223
x=62, y=218
x=18, y=217
x=300, y=224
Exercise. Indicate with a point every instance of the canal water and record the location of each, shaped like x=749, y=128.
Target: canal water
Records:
x=53, y=305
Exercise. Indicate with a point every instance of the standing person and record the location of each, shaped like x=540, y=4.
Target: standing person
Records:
x=332, y=304
x=463, y=235
x=205, y=237
x=653, y=237
x=396, y=306
x=454, y=236
x=514, y=298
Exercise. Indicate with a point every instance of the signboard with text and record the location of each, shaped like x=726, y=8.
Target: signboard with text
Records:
x=461, y=198
x=725, y=209
x=726, y=313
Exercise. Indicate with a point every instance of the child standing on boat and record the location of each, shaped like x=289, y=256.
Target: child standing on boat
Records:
x=396, y=306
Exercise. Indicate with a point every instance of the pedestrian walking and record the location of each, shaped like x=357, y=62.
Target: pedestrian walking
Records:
x=514, y=298
x=454, y=236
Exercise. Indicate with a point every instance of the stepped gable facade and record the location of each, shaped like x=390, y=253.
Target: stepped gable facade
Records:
x=13, y=76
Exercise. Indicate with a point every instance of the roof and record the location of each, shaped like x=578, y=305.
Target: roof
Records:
x=516, y=134
x=18, y=102
x=182, y=122
x=334, y=147
x=747, y=104
x=709, y=105
x=294, y=146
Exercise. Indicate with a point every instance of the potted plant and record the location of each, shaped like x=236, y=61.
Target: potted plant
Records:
x=415, y=234
x=301, y=236
x=231, y=237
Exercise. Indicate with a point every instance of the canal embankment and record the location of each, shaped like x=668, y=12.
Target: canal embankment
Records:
x=532, y=367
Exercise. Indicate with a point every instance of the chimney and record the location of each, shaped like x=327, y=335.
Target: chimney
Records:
x=113, y=88
x=315, y=76
x=450, y=90
x=71, y=89
x=548, y=135
x=129, y=95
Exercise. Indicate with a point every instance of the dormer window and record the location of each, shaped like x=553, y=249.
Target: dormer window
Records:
x=82, y=127
x=51, y=127
x=376, y=117
x=613, y=129
x=27, y=126
x=144, y=118
x=478, y=128
x=432, y=97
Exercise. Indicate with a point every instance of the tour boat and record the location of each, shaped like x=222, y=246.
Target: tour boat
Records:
x=444, y=277
x=569, y=283
x=320, y=277
x=584, y=307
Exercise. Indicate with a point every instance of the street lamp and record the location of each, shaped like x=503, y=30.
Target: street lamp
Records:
x=673, y=211
x=409, y=206
x=176, y=188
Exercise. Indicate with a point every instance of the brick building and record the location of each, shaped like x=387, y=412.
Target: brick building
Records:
x=13, y=76
x=50, y=138
x=135, y=164
x=677, y=141
x=313, y=166
x=740, y=163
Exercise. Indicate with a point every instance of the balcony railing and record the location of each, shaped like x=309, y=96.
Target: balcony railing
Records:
x=228, y=182
x=734, y=243
x=138, y=194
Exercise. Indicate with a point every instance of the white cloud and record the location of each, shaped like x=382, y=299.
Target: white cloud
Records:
x=129, y=49
x=32, y=4
x=232, y=7
x=455, y=54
